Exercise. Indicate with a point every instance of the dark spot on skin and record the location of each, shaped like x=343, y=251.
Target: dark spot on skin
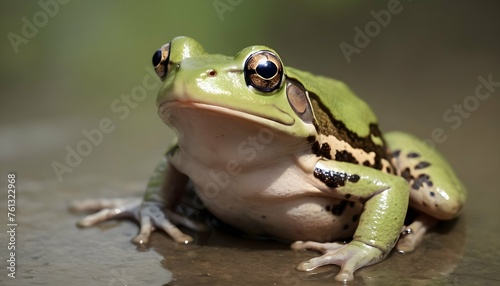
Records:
x=377, y=165
x=436, y=205
x=422, y=165
x=345, y=156
x=396, y=153
x=315, y=148
x=327, y=208
x=355, y=218
x=378, y=162
x=420, y=180
x=413, y=155
x=264, y=217
x=354, y=179
x=407, y=175
x=346, y=226
x=339, y=208
x=321, y=151
x=388, y=170
x=351, y=204
x=311, y=139
x=325, y=150
x=325, y=123
x=424, y=204
x=334, y=179
x=432, y=194
x=347, y=196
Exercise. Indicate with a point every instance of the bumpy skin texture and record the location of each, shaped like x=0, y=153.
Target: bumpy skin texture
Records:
x=279, y=152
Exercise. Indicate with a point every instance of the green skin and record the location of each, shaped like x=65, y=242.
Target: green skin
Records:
x=296, y=164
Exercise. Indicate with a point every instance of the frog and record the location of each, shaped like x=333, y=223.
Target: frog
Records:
x=278, y=152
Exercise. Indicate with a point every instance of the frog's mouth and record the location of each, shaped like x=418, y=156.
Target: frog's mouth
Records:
x=277, y=117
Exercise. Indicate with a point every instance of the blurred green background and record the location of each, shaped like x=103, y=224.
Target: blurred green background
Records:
x=62, y=76
x=88, y=54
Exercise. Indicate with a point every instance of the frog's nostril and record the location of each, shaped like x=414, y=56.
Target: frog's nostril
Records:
x=212, y=73
x=157, y=58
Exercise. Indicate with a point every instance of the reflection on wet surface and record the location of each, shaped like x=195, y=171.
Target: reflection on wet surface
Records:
x=226, y=258
x=220, y=257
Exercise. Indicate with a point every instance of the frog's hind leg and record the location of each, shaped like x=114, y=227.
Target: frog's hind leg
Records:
x=435, y=191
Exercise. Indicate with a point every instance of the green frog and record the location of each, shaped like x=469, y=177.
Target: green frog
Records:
x=276, y=151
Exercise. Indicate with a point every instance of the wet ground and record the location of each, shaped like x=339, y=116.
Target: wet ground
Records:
x=64, y=80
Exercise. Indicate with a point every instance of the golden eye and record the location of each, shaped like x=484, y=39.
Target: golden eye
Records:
x=263, y=71
x=161, y=60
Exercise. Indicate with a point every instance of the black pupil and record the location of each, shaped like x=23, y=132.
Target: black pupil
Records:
x=266, y=69
x=157, y=58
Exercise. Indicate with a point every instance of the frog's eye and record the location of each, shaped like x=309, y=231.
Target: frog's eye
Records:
x=263, y=71
x=160, y=61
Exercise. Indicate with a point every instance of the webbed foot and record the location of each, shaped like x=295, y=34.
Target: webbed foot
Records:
x=150, y=215
x=349, y=257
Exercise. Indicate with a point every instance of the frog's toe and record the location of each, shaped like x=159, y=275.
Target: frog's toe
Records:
x=321, y=247
x=414, y=233
x=349, y=257
x=95, y=205
x=145, y=232
x=154, y=216
x=175, y=233
x=107, y=209
x=102, y=215
x=409, y=240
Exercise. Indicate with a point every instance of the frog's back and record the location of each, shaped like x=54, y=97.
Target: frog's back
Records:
x=347, y=126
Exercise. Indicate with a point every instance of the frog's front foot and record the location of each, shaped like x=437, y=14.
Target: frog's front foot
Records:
x=150, y=215
x=349, y=257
